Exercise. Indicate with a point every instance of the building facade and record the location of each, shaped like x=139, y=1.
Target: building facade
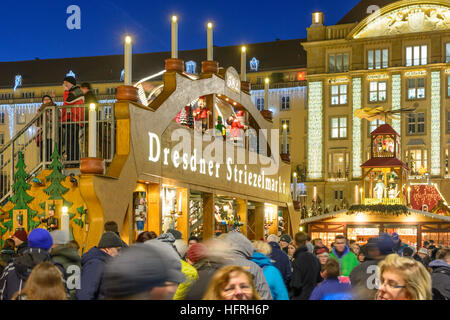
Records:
x=395, y=58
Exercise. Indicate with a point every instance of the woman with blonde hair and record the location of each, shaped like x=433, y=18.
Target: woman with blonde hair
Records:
x=231, y=283
x=44, y=283
x=403, y=279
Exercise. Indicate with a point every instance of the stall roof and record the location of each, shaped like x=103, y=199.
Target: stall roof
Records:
x=383, y=163
x=384, y=129
x=340, y=212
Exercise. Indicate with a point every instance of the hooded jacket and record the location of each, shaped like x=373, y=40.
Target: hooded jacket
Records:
x=65, y=257
x=364, y=279
x=332, y=289
x=273, y=277
x=305, y=275
x=206, y=269
x=93, y=265
x=440, y=277
x=242, y=252
x=191, y=276
x=17, y=272
x=6, y=257
x=347, y=261
x=22, y=247
x=281, y=261
x=71, y=97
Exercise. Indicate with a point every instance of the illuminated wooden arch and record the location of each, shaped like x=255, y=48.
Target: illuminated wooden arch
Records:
x=404, y=17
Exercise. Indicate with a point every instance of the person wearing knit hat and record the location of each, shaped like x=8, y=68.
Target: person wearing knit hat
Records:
x=40, y=238
x=20, y=238
x=285, y=239
x=176, y=234
x=145, y=271
x=17, y=272
x=93, y=264
x=279, y=258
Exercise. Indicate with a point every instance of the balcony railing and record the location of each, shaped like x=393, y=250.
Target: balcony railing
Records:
x=385, y=201
x=66, y=126
x=338, y=176
x=280, y=85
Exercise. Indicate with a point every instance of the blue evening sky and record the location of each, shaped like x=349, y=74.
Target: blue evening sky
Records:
x=38, y=28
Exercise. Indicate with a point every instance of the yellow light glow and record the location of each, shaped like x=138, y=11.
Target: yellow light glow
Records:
x=409, y=189
x=128, y=39
x=361, y=190
x=234, y=103
x=92, y=107
x=174, y=18
x=64, y=209
x=285, y=126
x=266, y=80
x=244, y=48
x=210, y=25
x=294, y=174
x=360, y=217
x=301, y=228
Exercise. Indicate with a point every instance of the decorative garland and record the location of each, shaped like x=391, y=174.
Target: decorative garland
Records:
x=380, y=208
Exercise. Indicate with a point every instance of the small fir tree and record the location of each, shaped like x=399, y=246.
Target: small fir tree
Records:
x=183, y=117
x=21, y=198
x=56, y=189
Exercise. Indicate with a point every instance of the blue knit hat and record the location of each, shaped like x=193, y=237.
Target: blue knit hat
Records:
x=40, y=238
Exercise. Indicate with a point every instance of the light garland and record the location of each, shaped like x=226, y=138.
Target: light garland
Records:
x=315, y=129
x=396, y=100
x=292, y=92
x=436, y=121
x=357, y=171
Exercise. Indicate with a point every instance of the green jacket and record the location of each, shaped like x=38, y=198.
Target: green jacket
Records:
x=191, y=276
x=64, y=257
x=347, y=261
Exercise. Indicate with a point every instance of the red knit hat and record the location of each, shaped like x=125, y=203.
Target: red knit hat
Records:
x=197, y=252
x=21, y=235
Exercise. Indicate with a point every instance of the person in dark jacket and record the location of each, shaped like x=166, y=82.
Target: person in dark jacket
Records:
x=89, y=96
x=440, y=275
x=67, y=259
x=280, y=259
x=20, y=241
x=206, y=264
x=93, y=264
x=364, y=276
x=306, y=270
x=398, y=244
x=8, y=253
x=17, y=272
x=112, y=226
x=422, y=256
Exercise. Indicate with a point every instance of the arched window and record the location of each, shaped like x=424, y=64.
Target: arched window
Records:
x=191, y=66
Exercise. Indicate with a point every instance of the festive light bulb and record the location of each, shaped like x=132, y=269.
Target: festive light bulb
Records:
x=174, y=18
x=266, y=80
x=210, y=25
x=92, y=107
x=128, y=39
x=65, y=209
x=243, y=49
x=295, y=174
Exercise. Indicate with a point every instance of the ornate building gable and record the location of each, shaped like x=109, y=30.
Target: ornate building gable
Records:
x=405, y=17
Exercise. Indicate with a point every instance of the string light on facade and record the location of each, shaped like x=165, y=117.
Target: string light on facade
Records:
x=436, y=121
x=315, y=130
x=357, y=150
x=396, y=99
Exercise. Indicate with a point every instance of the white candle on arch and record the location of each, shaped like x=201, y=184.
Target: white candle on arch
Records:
x=174, y=37
x=128, y=61
x=210, y=41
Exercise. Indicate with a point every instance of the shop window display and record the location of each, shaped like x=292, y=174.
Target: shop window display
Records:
x=361, y=234
x=226, y=216
x=408, y=234
x=171, y=208
x=140, y=210
x=327, y=237
x=196, y=215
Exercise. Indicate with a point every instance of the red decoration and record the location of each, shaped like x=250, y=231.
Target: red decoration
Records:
x=424, y=194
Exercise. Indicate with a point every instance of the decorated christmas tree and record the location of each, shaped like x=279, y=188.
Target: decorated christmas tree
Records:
x=56, y=189
x=183, y=117
x=21, y=198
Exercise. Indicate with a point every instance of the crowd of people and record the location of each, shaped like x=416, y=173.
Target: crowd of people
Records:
x=46, y=265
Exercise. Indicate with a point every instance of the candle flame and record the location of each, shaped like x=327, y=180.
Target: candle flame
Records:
x=210, y=25
x=128, y=39
x=295, y=174
x=92, y=106
x=174, y=18
x=243, y=48
x=266, y=80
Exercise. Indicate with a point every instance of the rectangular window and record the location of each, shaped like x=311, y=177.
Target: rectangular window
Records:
x=448, y=86
x=259, y=80
x=338, y=62
x=377, y=59
x=338, y=195
x=339, y=94
x=285, y=102
x=21, y=118
x=2, y=138
x=339, y=128
x=447, y=53
x=285, y=122
x=416, y=88
x=260, y=103
x=375, y=124
x=416, y=123
x=416, y=55
x=448, y=121
x=377, y=91
x=417, y=160
x=2, y=118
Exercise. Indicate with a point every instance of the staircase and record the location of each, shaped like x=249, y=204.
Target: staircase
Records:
x=50, y=126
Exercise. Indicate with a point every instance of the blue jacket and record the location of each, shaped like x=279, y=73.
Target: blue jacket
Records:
x=93, y=265
x=281, y=261
x=331, y=289
x=272, y=275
